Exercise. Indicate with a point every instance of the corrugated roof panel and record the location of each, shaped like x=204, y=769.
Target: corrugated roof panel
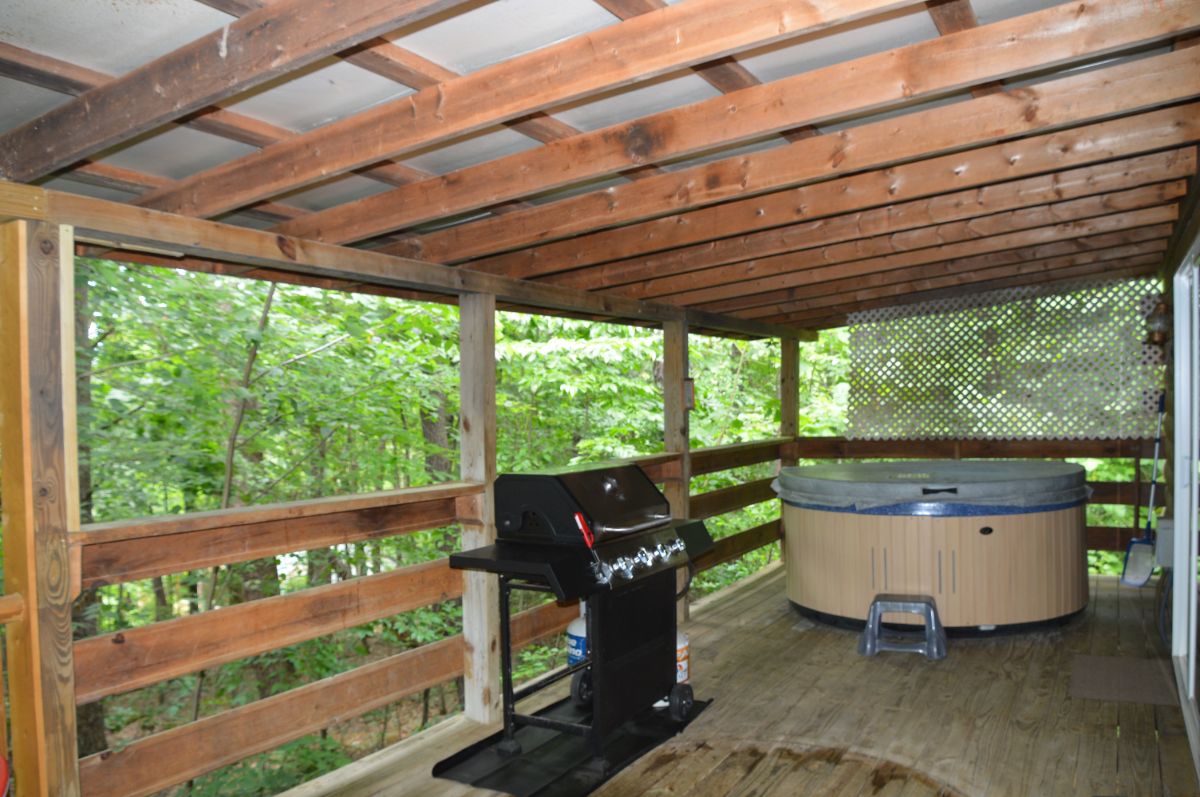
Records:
x=177, y=153
x=21, y=102
x=327, y=91
x=669, y=91
x=113, y=36
x=497, y=31
x=487, y=145
x=336, y=191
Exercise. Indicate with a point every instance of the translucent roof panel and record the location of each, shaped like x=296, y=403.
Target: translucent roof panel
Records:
x=493, y=32
x=178, y=152
x=335, y=192
x=493, y=143
x=661, y=94
x=112, y=36
x=324, y=92
x=20, y=102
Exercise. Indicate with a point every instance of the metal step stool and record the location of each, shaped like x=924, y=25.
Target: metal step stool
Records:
x=931, y=642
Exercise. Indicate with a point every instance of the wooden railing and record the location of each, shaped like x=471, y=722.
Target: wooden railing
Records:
x=119, y=662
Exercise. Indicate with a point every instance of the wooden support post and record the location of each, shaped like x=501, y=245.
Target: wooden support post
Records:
x=481, y=592
x=41, y=498
x=789, y=392
x=675, y=426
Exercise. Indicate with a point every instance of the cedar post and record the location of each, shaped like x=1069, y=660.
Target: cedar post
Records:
x=41, y=498
x=481, y=591
x=675, y=426
x=789, y=412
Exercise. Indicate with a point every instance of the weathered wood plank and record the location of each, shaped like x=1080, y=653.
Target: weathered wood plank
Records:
x=841, y=448
x=134, y=558
x=676, y=437
x=729, y=548
x=808, y=268
x=1045, y=38
x=618, y=55
x=40, y=497
x=1027, y=265
x=119, y=662
x=477, y=436
x=896, y=218
x=735, y=455
x=1074, y=100
x=169, y=757
x=262, y=45
x=730, y=499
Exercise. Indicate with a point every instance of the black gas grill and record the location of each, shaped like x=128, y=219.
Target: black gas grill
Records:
x=604, y=536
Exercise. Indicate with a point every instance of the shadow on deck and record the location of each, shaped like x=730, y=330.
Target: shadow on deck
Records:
x=796, y=711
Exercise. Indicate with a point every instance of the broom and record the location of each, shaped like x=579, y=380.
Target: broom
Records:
x=1139, y=556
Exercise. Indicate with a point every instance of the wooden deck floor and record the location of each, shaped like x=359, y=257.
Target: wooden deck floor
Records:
x=797, y=712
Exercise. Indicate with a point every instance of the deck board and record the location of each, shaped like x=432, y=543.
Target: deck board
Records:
x=796, y=711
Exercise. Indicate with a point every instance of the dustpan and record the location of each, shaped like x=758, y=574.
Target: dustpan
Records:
x=1139, y=555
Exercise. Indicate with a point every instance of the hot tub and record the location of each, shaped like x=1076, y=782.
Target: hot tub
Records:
x=994, y=543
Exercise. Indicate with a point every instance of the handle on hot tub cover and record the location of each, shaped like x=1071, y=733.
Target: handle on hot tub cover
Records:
x=936, y=490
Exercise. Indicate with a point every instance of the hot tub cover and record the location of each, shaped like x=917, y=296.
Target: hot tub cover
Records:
x=934, y=487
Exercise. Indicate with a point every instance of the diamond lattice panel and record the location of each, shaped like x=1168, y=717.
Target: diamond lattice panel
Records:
x=1015, y=364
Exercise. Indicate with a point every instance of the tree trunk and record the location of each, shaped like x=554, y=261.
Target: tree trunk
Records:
x=435, y=428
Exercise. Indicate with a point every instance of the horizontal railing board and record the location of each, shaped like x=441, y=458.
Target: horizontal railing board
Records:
x=730, y=499
x=735, y=455
x=122, y=560
x=729, y=548
x=164, y=759
x=1110, y=538
x=841, y=448
x=141, y=528
x=1126, y=493
x=125, y=660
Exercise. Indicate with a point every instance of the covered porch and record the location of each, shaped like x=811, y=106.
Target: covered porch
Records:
x=795, y=711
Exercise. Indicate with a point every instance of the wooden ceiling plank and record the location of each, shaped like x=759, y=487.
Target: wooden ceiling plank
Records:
x=746, y=306
x=1073, y=100
x=928, y=240
x=977, y=168
x=261, y=45
x=1055, y=36
x=618, y=55
x=952, y=16
x=140, y=227
x=954, y=206
x=948, y=273
x=800, y=289
x=806, y=274
x=1134, y=268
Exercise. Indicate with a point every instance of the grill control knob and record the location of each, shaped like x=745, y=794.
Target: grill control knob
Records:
x=663, y=552
x=623, y=566
x=644, y=557
x=677, y=546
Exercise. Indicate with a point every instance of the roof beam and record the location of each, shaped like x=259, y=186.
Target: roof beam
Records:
x=980, y=168
x=631, y=51
x=1059, y=186
x=261, y=45
x=113, y=222
x=1135, y=267
x=747, y=306
x=799, y=271
x=1068, y=101
x=922, y=242
x=952, y=273
x=1055, y=36
x=952, y=16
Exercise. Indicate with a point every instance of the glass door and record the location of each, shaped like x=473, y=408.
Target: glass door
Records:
x=1187, y=490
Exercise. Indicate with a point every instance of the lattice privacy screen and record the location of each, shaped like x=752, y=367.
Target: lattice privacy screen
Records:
x=1011, y=364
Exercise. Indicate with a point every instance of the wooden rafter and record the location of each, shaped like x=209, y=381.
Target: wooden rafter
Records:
x=797, y=270
x=1068, y=101
x=921, y=242
x=952, y=16
x=139, y=227
x=951, y=274
x=635, y=50
x=1055, y=36
x=804, y=289
x=262, y=45
x=891, y=219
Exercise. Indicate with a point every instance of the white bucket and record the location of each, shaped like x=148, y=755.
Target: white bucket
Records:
x=577, y=638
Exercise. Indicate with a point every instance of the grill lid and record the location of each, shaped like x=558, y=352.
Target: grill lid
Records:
x=612, y=501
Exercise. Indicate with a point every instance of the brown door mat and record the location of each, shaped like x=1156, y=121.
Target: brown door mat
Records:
x=1126, y=679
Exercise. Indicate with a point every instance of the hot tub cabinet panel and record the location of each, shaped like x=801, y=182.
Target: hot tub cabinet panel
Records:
x=1031, y=567
x=995, y=544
